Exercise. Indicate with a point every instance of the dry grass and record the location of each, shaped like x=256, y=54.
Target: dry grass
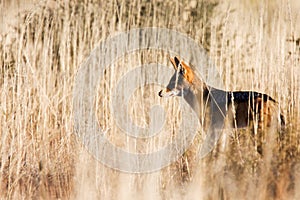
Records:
x=252, y=45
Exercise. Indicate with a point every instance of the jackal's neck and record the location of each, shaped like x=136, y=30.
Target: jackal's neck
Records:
x=197, y=95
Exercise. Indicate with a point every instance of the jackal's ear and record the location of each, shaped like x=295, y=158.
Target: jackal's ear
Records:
x=175, y=62
x=186, y=71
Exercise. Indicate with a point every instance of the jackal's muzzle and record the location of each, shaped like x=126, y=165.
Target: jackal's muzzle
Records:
x=168, y=93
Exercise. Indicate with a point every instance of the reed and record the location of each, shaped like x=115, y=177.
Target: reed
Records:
x=253, y=44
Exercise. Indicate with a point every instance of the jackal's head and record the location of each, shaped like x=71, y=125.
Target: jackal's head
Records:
x=182, y=81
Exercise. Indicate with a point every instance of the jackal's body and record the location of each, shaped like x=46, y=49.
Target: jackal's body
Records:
x=243, y=106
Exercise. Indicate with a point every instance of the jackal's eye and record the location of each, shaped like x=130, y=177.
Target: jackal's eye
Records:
x=181, y=69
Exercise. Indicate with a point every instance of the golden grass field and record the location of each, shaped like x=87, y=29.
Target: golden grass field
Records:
x=253, y=43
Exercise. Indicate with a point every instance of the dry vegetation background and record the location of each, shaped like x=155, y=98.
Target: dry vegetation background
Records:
x=254, y=44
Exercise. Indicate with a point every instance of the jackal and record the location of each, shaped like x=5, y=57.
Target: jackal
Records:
x=243, y=108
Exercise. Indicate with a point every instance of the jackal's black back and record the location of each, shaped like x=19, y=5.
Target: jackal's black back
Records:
x=244, y=96
x=250, y=96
